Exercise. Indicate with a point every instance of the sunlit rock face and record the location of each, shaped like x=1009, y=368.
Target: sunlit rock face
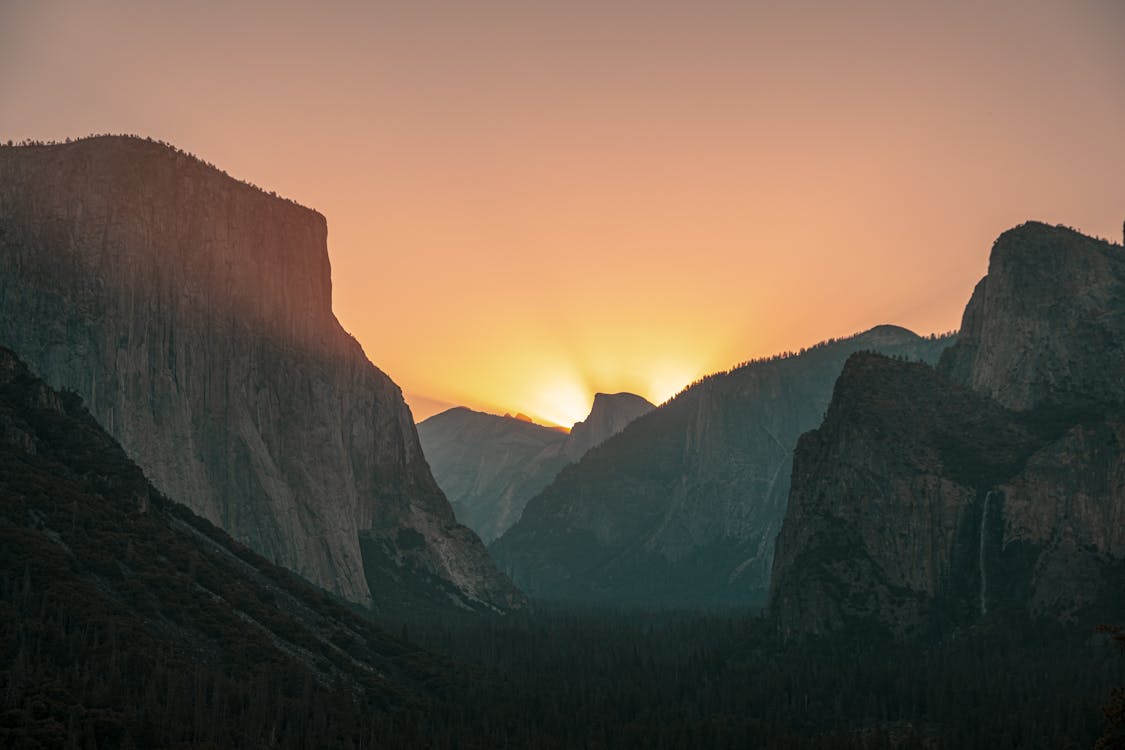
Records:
x=490, y=466
x=193, y=314
x=929, y=499
x=682, y=507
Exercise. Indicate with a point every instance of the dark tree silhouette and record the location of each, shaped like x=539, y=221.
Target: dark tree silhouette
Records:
x=1113, y=738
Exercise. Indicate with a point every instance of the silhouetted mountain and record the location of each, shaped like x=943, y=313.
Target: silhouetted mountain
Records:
x=128, y=621
x=610, y=414
x=193, y=313
x=490, y=466
x=921, y=503
x=682, y=507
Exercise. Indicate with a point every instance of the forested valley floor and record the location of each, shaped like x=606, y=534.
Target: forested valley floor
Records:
x=595, y=679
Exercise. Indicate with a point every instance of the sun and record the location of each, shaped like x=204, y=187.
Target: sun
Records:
x=563, y=403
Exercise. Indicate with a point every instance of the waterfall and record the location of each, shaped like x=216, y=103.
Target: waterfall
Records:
x=983, y=570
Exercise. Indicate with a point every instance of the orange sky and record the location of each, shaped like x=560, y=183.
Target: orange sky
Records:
x=532, y=201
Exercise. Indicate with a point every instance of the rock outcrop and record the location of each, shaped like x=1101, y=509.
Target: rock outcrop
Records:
x=490, y=466
x=193, y=314
x=1047, y=324
x=610, y=414
x=682, y=507
x=928, y=499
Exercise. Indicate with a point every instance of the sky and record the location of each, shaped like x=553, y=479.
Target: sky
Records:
x=532, y=201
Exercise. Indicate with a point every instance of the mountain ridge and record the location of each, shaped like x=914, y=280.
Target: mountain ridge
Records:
x=932, y=498
x=610, y=413
x=681, y=507
x=1010, y=349
x=490, y=465
x=193, y=314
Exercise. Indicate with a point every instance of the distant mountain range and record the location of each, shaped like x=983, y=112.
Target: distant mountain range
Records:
x=882, y=484
x=193, y=314
x=931, y=499
x=682, y=507
x=490, y=466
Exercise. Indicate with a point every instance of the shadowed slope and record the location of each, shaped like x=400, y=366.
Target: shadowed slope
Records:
x=125, y=619
x=490, y=466
x=933, y=499
x=682, y=507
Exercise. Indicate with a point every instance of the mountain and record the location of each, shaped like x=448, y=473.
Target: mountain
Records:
x=610, y=414
x=1047, y=324
x=193, y=314
x=996, y=483
x=490, y=466
x=128, y=621
x=682, y=507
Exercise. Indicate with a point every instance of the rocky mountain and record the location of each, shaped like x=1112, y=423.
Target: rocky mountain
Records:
x=610, y=414
x=682, y=507
x=193, y=314
x=1047, y=324
x=930, y=498
x=490, y=466
x=128, y=621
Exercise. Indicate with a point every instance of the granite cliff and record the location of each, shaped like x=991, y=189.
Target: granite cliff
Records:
x=682, y=507
x=610, y=414
x=113, y=599
x=1047, y=324
x=930, y=498
x=193, y=314
x=490, y=466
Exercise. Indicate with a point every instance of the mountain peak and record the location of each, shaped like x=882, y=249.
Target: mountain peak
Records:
x=888, y=334
x=921, y=504
x=683, y=507
x=138, y=150
x=491, y=465
x=609, y=415
x=1045, y=284
x=620, y=396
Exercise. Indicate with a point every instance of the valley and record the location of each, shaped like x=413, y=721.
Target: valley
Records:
x=222, y=528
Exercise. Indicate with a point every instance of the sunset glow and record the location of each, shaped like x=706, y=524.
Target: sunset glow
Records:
x=532, y=202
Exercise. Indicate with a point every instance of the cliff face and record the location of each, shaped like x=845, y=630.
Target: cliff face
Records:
x=683, y=506
x=610, y=414
x=1047, y=324
x=887, y=501
x=921, y=503
x=490, y=466
x=193, y=314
